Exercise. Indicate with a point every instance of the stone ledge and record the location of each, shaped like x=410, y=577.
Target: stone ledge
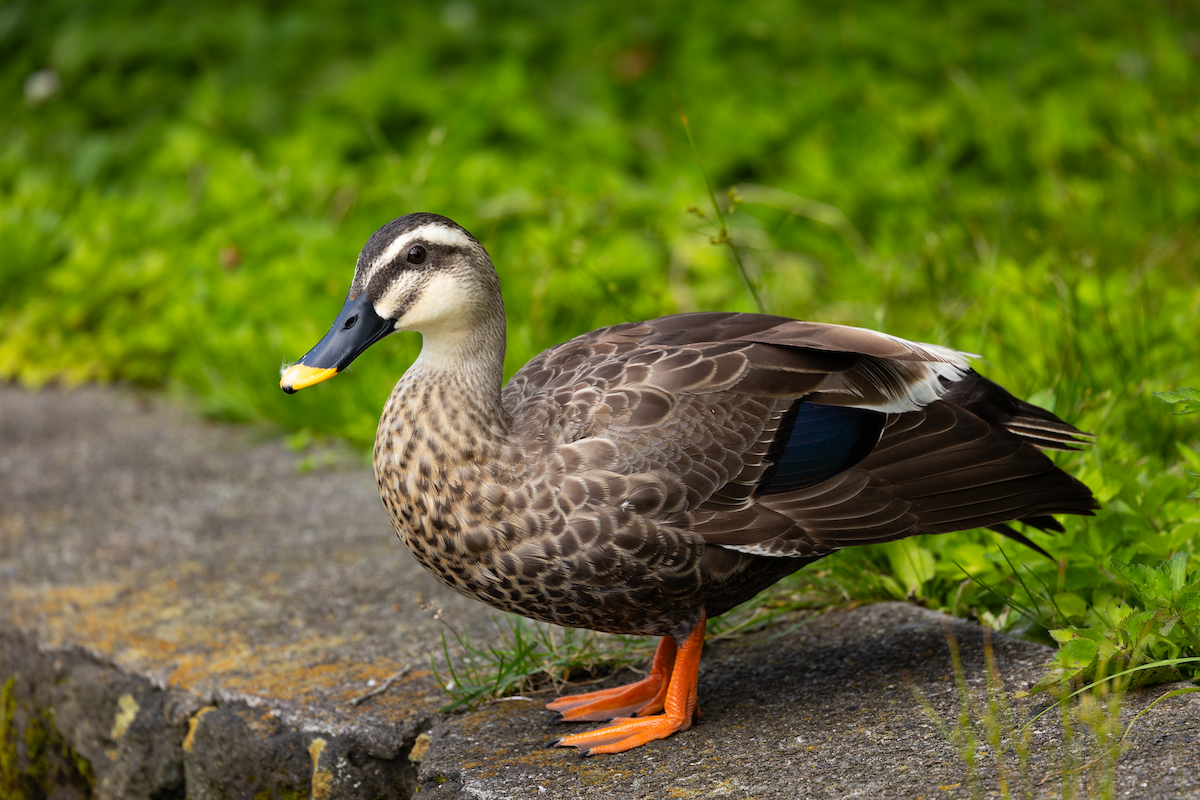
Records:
x=132, y=739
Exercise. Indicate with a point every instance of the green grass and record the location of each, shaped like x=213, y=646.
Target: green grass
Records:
x=1019, y=180
x=992, y=731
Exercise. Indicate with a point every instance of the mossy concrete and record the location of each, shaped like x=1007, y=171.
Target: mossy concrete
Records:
x=187, y=613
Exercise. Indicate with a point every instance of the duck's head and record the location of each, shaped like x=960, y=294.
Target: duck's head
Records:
x=421, y=272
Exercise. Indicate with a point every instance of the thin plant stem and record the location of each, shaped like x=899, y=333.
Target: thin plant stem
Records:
x=722, y=236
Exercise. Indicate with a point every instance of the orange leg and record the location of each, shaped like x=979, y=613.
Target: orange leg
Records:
x=641, y=697
x=626, y=733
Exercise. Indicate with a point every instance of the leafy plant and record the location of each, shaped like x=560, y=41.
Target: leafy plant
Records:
x=1152, y=644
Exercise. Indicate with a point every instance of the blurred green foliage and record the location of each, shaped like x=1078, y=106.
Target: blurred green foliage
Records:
x=184, y=188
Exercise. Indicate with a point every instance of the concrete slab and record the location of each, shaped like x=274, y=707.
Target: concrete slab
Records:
x=187, y=613
x=196, y=567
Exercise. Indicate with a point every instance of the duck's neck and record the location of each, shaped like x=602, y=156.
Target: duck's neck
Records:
x=446, y=411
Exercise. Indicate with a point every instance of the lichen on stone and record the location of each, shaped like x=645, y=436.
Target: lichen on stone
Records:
x=36, y=759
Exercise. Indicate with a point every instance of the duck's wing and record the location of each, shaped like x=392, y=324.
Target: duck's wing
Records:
x=777, y=437
x=946, y=467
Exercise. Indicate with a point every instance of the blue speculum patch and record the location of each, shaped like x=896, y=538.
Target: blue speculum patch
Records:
x=824, y=441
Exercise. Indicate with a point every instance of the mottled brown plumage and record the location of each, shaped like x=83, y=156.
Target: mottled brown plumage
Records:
x=642, y=478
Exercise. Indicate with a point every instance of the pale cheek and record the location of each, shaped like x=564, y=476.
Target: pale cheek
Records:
x=441, y=299
x=433, y=307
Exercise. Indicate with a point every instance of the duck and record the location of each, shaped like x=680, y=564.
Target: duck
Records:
x=646, y=477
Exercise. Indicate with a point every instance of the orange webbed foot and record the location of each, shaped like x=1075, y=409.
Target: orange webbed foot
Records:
x=626, y=733
x=646, y=696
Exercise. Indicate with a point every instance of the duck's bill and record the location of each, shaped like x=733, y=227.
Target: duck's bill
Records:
x=356, y=328
x=299, y=376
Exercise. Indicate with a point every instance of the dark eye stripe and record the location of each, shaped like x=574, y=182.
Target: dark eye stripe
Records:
x=382, y=274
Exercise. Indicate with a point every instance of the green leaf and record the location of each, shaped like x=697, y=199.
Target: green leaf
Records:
x=1076, y=655
x=1064, y=635
x=1139, y=623
x=1071, y=604
x=1117, y=612
x=1176, y=569
x=912, y=564
x=1148, y=582
x=1077, y=651
x=1186, y=398
x=1189, y=598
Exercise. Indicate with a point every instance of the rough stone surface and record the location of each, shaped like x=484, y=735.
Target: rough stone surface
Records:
x=174, y=565
x=186, y=613
x=830, y=710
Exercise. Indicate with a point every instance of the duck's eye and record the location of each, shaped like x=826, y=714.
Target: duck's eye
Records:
x=416, y=255
x=350, y=322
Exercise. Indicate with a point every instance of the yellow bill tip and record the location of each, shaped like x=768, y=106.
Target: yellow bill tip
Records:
x=299, y=376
